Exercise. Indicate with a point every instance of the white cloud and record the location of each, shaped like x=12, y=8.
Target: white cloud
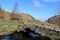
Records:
x=51, y=0
x=37, y=3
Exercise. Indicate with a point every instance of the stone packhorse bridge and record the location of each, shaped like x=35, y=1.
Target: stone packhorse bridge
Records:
x=38, y=28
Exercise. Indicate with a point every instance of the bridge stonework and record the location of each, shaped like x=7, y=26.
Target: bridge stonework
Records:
x=39, y=29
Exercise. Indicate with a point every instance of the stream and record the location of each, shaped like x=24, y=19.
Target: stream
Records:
x=19, y=35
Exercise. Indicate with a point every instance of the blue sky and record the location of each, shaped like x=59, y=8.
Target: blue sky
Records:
x=39, y=9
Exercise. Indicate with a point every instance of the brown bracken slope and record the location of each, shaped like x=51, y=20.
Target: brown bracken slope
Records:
x=14, y=16
x=55, y=19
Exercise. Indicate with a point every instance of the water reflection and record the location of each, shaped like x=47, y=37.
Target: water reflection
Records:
x=14, y=36
x=4, y=37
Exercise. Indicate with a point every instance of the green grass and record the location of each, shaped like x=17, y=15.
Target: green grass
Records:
x=54, y=36
x=8, y=26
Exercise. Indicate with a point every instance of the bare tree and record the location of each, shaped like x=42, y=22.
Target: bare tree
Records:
x=15, y=16
x=15, y=10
